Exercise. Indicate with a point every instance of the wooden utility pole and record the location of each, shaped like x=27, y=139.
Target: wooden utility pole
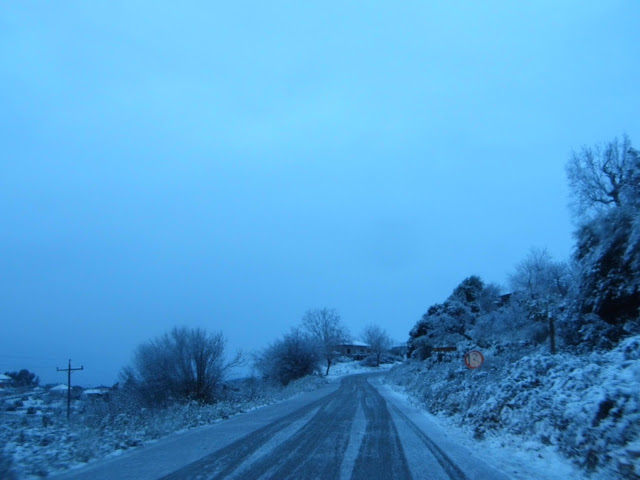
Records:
x=552, y=333
x=68, y=370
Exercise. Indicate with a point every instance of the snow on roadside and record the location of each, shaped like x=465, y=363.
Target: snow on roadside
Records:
x=546, y=412
x=509, y=454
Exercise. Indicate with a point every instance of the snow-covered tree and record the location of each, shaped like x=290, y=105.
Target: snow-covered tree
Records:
x=605, y=183
x=326, y=328
x=541, y=285
x=378, y=339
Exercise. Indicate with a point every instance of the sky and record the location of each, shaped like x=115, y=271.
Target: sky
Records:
x=230, y=165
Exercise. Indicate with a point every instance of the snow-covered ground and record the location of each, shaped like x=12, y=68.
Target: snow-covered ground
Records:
x=521, y=460
x=528, y=413
x=538, y=415
x=42, y=442
x=349, y=368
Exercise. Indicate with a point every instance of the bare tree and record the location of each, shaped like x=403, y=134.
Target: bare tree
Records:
x=378, y=339
x=600, y=176
x=326, y=328
x=541, y=284
x=183, y=364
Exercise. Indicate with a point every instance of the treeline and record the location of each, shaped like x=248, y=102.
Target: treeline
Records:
x=188, y=364
x=590, y=301
x=301, y=351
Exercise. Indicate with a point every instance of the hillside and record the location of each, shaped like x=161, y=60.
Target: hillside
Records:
x=585, y=407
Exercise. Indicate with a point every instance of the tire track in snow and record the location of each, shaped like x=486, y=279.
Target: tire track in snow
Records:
x=314, y=452
x=358, y=427
x=381, y=454
x=448, y=466
x=352, y=433
x=223, y=462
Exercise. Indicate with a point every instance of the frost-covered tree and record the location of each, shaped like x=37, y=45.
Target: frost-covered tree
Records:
x=378, y=339
x=183, y=364
x=603, y=177
x=326, y=328
x=605, y=184
x=541, y=285
x=293, y=356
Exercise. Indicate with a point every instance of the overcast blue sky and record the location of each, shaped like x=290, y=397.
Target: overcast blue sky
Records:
x=231, y=164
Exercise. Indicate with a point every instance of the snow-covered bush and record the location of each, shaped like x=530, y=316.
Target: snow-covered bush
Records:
x=449, y=322
x=182, y=365
x=294, y=356
x=608, y=252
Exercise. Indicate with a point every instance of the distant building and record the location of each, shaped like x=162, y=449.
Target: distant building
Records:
x=355, y=350
x=504, y=299
x=399, y=350
x=96, y=392
x=62, y=388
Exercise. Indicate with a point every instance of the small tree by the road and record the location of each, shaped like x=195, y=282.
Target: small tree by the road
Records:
x=326, y=328
x=378, y=340
x=183, y=364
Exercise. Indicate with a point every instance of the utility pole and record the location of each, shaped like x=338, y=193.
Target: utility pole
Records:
x=68, y=370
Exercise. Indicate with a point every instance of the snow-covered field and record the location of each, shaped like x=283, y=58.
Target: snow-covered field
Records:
x=42, y=442
x=537, y=415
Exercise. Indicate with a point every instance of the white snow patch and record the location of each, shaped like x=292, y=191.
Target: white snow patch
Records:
x=350, y=368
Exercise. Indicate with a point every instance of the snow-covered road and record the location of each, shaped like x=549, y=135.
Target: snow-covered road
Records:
x=351, y=429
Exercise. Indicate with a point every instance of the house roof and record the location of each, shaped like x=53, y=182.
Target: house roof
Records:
x=4, y=378
x=356, y=343
x=60, y=388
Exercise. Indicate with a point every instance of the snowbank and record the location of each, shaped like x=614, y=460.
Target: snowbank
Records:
x=587, y=408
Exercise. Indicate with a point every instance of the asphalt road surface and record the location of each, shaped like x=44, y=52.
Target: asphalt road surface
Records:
x=356, y=429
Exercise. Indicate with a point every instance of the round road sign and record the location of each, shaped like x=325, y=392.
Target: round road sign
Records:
x=473, y=359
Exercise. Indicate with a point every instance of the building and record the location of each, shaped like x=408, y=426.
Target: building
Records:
x=100, y=391
x=60, y=388
x=356, y=350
